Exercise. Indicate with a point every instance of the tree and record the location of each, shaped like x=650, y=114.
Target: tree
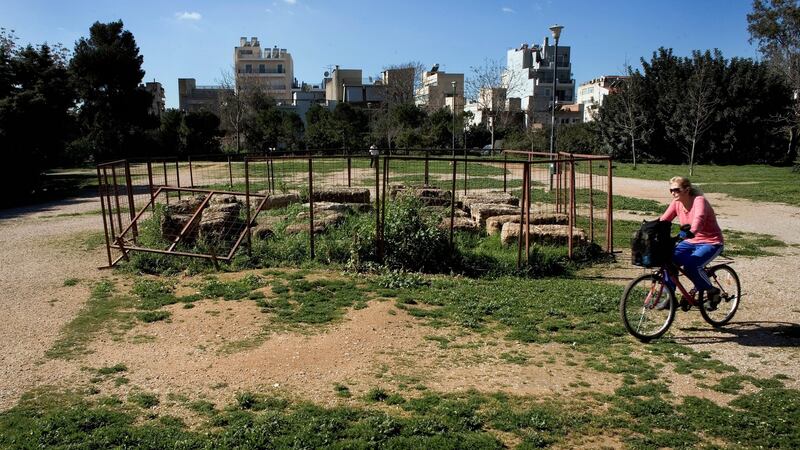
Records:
x=351, y=123
x=170, y=132
x=322, y=132
x=622, y=119
x=775, y=26
x=697, y=112
x=35, y=119
x=201, y=133
x=113, y=110
x=488, y=85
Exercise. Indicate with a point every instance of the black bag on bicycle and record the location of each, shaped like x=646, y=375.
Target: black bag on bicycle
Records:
x=651, y=246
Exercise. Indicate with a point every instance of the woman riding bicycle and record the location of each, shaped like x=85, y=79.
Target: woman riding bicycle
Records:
x=702, y=235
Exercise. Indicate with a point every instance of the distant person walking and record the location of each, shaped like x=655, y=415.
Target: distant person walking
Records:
x=373, y=153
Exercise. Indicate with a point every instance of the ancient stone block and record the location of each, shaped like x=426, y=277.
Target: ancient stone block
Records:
x=342, y=195
x=482, y=211
x=275, y=201
x=495, y=224
x=541, y=234
x=496, y=198
x=459, y=223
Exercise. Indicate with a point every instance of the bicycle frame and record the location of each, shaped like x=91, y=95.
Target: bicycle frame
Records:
x=674, y=271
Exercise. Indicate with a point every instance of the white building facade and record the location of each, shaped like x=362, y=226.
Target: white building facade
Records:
x=592, y=93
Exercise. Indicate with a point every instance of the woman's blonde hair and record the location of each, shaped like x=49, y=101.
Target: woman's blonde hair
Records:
x=685, y=183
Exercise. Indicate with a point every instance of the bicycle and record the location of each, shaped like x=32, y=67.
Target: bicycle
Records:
x=647, y=314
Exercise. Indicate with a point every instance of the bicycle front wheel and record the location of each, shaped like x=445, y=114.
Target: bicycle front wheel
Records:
x=647, y=307
x=725, y=279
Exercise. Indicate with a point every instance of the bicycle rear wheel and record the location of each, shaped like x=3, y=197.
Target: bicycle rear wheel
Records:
x=647, y=307
x=725, y=279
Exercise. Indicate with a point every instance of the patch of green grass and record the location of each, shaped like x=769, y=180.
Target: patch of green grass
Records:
x=143, y=399
x=342, y=390
x=527, y=310
x=376, y=395
x=153, y=316
x=313, y=302
x=204, y=407
x=514, y=358
x=753, y=182
x=116, y=368
x=231, y=290
x=637, y=412
x=103, y=311
x=740, y=243
x=71, y=282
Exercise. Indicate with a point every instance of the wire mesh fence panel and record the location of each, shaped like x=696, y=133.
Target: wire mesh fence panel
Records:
x=332, y=207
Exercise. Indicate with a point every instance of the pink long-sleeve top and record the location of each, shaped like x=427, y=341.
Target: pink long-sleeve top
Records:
x=700, y=216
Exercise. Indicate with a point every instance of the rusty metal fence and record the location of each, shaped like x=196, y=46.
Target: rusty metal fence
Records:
x=184, y=207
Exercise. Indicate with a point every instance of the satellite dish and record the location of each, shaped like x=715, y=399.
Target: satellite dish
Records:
x=327, y=74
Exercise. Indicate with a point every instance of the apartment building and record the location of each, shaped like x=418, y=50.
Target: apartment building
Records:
x=529, y=77
x=437, y=90
x=194, y=98
x=592, y=93
x=268, y=69
x=348, y=85
x=157, y=91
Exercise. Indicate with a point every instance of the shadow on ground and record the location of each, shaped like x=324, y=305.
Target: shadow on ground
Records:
x=751, y=334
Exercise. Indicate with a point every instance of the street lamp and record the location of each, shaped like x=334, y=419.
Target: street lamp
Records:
x=556, y=30
x=453, y=83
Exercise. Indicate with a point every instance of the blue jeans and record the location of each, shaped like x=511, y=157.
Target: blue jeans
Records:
x=693, y=257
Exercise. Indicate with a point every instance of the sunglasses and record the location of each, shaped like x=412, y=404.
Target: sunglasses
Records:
x=675, y=190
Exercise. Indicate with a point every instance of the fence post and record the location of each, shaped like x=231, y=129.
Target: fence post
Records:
x=131, y=206
x=178, y=176
x=453, y=204
x=230, y=173
x=591, y=205
x=528, y=170
x=427, y=157
x=150, y=184
x=571, y=213
x=522, y=213
x=116, y=197
x=378, y=208
x=247, y=202
x=100, y=187
x=349, y=168
x=191, y=172
x=311, y=205
x=110, y=208
x=382, y=241
x=465, y=173
x=610, y=213
x=166, y=183
x=505, y=172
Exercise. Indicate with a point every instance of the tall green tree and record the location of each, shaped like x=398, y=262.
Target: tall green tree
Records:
x=322, y=131
x=113, y=110
x=35, y=119
x=624, y=121
x=201, y=133
x=170, y=133
x=775, y=26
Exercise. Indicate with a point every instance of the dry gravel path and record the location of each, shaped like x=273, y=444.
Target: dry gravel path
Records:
x=43, y=245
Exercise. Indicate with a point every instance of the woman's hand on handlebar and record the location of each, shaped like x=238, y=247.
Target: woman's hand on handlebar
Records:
x=686, y=232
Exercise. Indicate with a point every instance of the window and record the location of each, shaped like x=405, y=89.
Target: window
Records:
x=248, y=68
x=245, y=52
x=262, y=68
x=280, y=68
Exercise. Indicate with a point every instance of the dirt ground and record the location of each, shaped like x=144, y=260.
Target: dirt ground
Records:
x=43, y=245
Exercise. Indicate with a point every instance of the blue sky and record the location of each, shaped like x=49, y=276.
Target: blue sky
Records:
x=195, y=39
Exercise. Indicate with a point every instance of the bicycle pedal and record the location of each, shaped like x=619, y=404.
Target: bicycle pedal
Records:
x=684, y=304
